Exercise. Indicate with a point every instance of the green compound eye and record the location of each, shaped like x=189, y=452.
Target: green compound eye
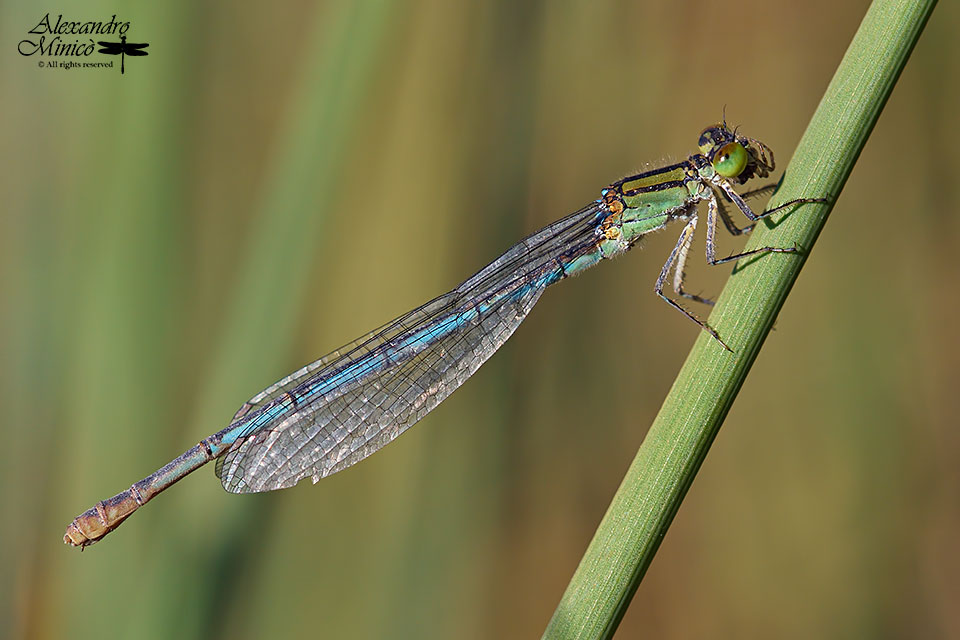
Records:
x=731, y=160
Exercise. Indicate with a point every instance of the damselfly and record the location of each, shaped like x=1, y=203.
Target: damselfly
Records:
x=345, y=406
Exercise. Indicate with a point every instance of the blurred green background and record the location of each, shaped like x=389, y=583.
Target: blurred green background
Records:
x=273, y=181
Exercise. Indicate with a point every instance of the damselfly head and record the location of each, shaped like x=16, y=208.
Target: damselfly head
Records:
x=735, y=157
x=712, y=139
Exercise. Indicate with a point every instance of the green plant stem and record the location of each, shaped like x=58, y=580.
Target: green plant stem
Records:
x=670, y=456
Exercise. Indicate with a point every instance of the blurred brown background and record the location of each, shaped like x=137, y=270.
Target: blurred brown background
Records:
x=274, y=180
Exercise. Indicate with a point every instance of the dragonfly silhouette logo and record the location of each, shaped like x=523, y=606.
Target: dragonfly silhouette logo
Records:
x=123, y=48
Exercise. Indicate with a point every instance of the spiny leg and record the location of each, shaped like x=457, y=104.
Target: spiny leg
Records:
x=684, y=241
x=679, y=269
x=790, y=203
x=746, y=195
x=713, y=207
x=738, y=200
x=728, y=221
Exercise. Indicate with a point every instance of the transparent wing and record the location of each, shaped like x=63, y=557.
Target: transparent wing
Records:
x=350, y=403
x=289, y=383
x=560, y=238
